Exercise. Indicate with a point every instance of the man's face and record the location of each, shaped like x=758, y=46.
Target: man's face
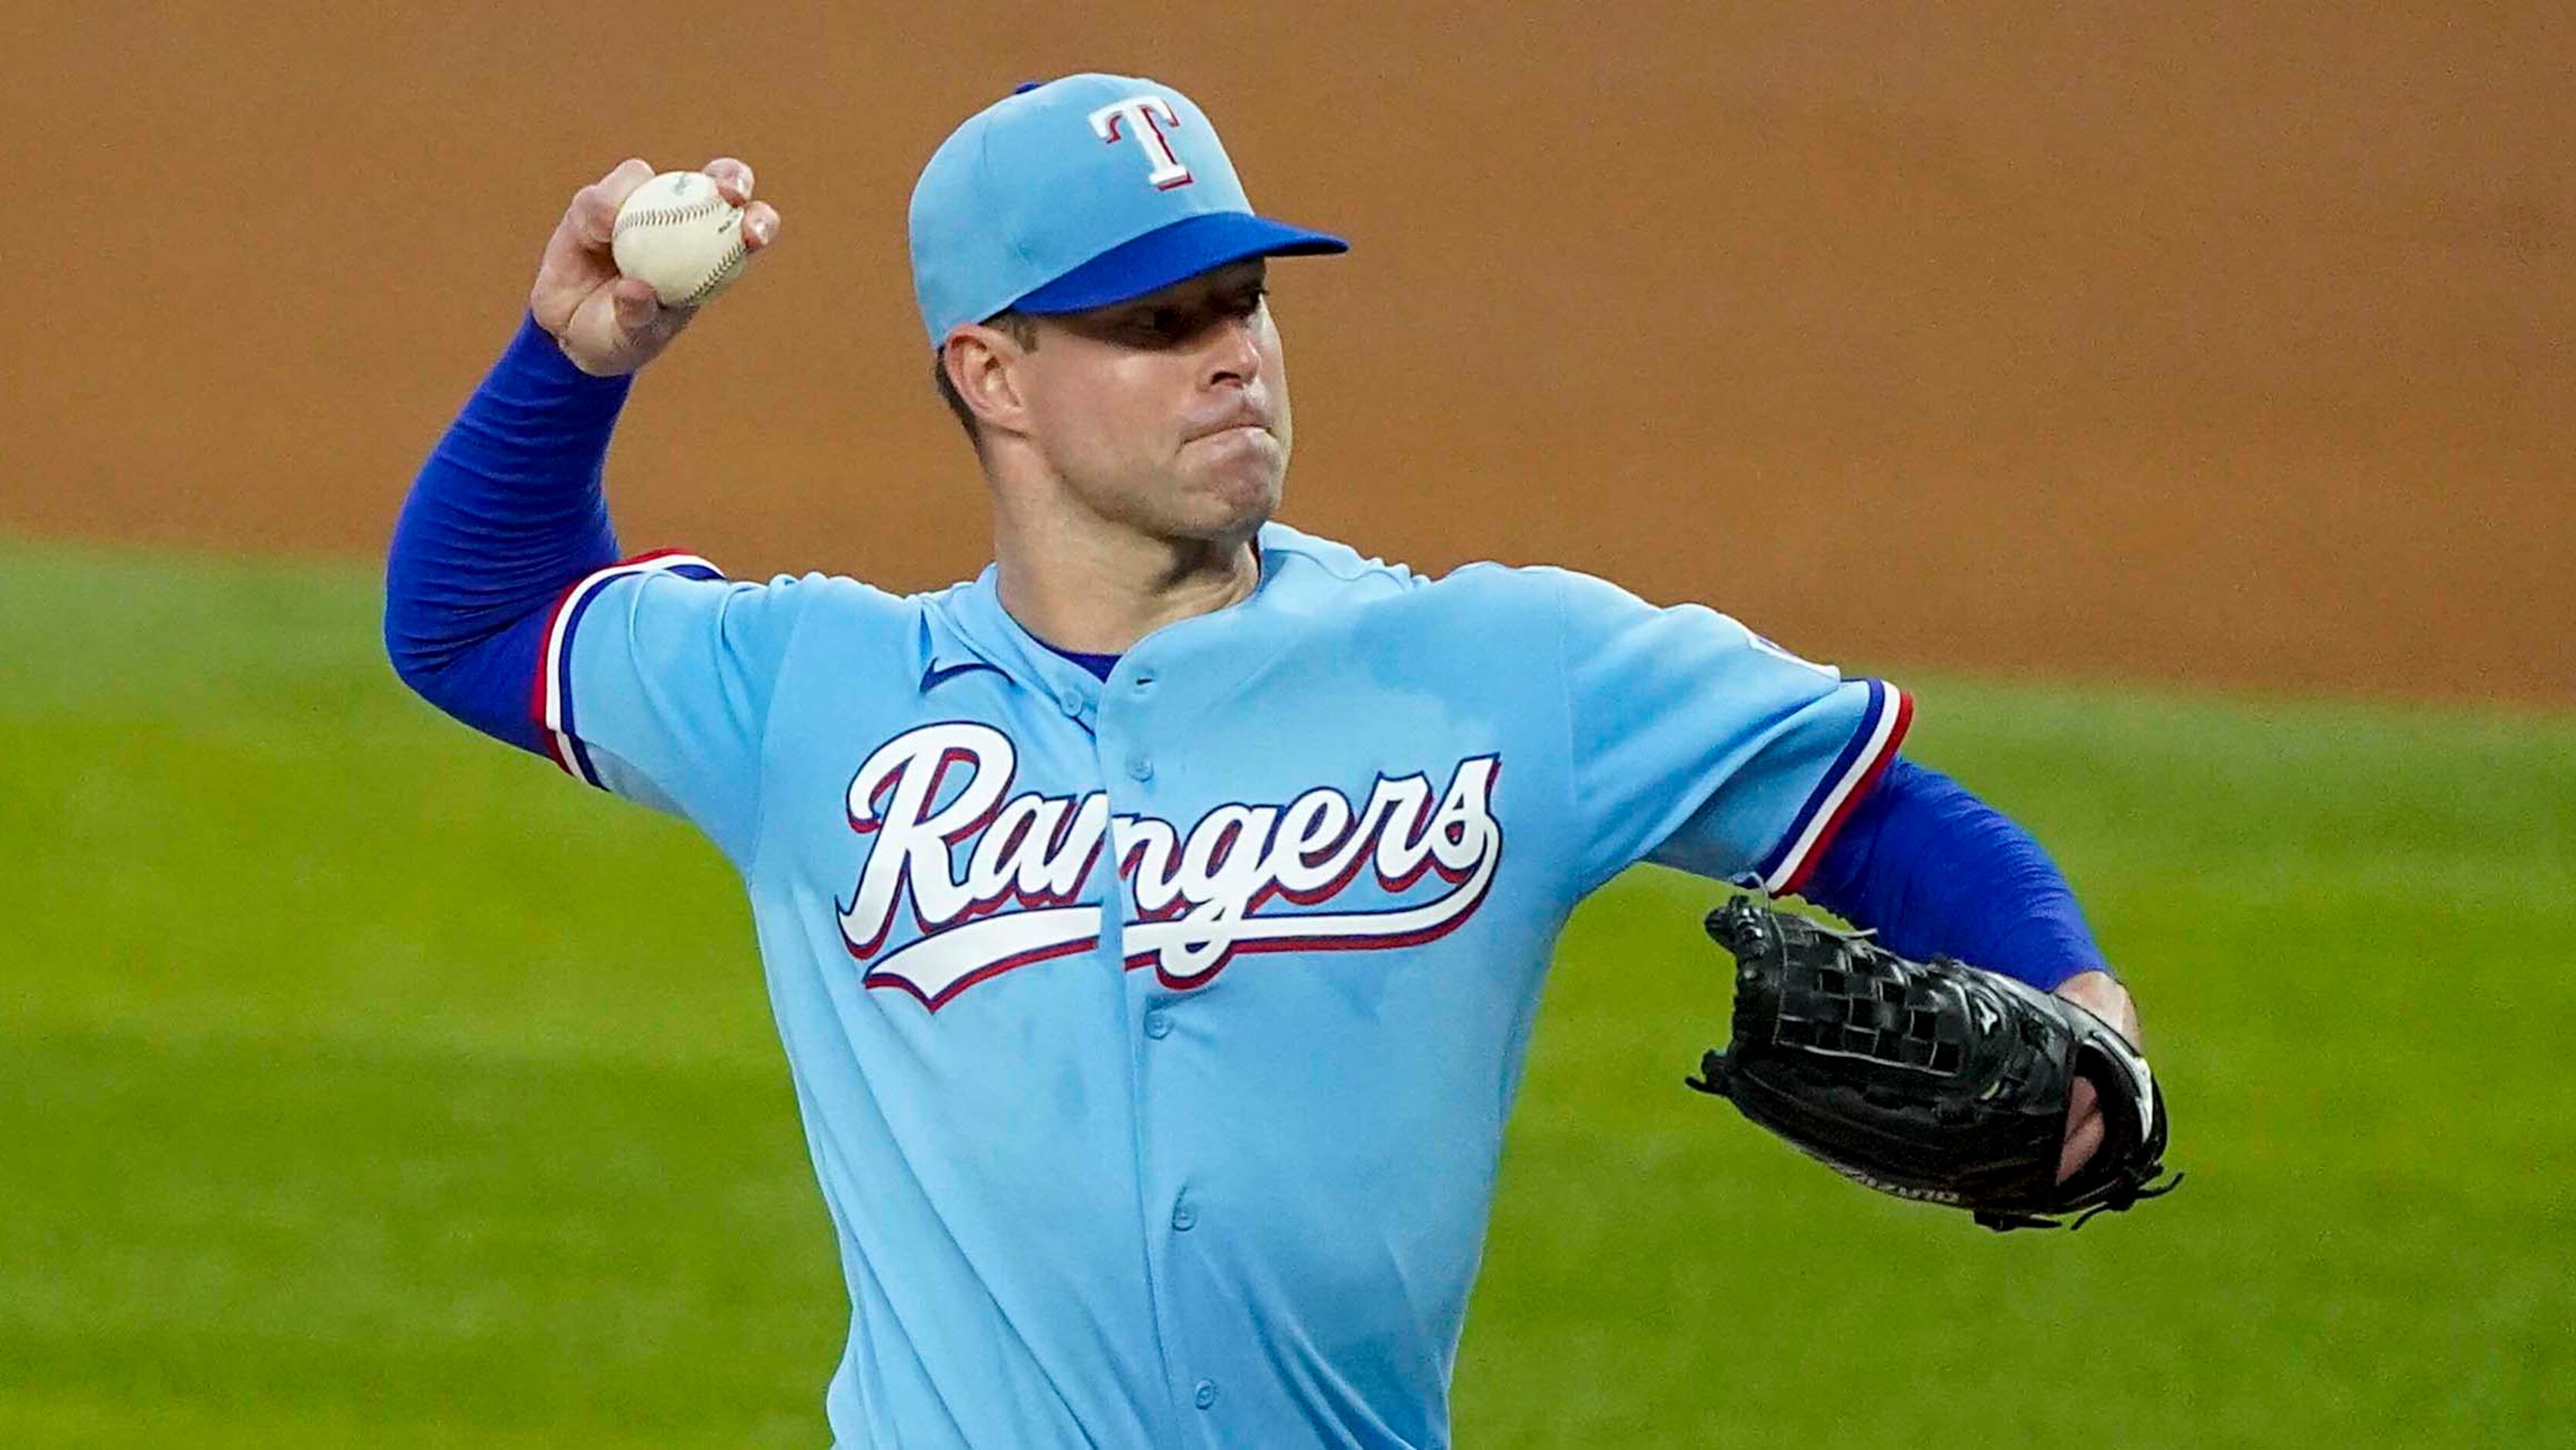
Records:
x=1168, y=413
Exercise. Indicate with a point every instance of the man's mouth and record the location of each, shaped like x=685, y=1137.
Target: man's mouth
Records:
x=1232, y=423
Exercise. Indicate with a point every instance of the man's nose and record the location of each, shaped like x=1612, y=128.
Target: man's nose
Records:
x=1234, y=352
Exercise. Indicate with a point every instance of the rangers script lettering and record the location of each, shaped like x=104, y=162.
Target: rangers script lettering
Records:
x=1198, y=895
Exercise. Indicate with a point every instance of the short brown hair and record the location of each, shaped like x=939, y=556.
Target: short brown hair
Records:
x=1022, y=330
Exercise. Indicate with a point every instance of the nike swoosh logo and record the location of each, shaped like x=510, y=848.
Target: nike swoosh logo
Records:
x=943, y=675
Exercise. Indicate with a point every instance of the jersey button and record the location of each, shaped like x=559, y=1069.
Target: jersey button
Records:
x=1206, y=1395
x=1185, y=1217
x=1140, y=768
x=1144, y=681
x=1158, y=1023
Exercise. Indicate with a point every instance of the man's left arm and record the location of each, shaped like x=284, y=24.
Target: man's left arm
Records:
x=1936, y=871
x=1697, y=744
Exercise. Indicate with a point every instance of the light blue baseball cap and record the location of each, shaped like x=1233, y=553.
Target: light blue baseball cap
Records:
x=1078, y=193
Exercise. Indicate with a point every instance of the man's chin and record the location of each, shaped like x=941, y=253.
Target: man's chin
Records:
x=1236, y=503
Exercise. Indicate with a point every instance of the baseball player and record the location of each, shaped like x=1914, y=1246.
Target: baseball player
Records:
x=1154, y=922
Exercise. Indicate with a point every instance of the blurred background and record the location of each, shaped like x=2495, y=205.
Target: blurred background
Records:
x=2176, y=395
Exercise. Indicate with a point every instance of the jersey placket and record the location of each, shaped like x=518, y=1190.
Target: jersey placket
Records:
x=1126, y=745
x=1114, y=715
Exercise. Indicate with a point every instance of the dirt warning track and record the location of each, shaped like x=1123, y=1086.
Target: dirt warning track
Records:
x=2196, y=345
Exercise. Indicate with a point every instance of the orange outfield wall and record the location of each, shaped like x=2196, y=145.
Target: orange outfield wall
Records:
x=2200, y=342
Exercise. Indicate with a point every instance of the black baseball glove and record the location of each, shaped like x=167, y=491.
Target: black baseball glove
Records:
x=1932, y=1081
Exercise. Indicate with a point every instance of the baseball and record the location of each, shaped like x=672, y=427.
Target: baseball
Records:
x=678, y=233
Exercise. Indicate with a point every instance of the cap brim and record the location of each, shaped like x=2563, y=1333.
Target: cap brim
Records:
x=1172, y=254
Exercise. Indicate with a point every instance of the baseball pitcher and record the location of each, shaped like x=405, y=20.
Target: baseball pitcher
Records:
x=1154, y=922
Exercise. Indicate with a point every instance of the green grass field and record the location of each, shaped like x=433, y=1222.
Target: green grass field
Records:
x=365, y=1083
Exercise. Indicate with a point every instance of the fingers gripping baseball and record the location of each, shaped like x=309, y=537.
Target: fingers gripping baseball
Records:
x=606, y=323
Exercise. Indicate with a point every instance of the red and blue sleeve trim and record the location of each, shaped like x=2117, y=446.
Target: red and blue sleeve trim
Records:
x=550, y=701
x=1883, y=723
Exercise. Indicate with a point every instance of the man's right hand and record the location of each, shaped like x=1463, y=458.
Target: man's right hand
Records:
x=609, y=324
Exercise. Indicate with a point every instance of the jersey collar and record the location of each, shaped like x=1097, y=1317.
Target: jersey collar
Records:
x=969, y=629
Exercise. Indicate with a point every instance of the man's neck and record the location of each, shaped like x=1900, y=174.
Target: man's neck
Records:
x=1095, y=588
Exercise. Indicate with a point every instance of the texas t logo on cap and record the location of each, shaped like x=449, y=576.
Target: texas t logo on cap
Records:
x=1078, y=193
x=1138, y=113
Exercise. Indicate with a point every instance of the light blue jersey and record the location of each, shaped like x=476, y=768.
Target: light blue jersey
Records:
x=1154, y=1037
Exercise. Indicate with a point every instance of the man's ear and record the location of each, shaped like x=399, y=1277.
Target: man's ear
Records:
x=983, y=366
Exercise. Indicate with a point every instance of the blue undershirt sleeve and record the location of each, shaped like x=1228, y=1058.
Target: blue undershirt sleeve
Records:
x=1934, y=870
x=506, y=515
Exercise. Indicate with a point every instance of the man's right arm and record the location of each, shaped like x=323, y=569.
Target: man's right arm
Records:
x=508, y=512
x=506, y=515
